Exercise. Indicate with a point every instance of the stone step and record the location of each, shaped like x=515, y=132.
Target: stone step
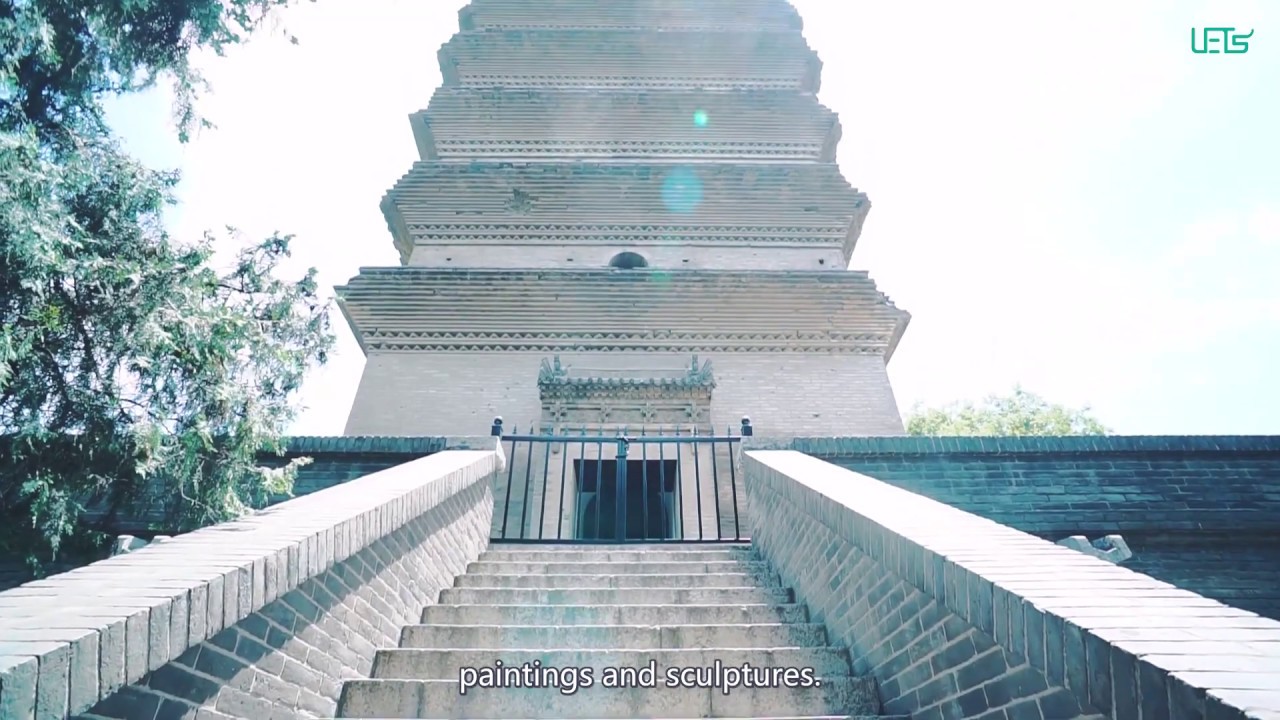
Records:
x=620, y=637
x=836, y=697
x=615, y=596
x=487, y=567
x=627, y=581
x=570, y=615
x=620, y=553
x=420, y=664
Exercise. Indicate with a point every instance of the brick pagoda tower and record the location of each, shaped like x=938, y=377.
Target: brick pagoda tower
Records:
x=624, y=212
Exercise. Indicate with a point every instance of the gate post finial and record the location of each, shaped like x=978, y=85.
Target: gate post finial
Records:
x=747, y=430
x=496, y=430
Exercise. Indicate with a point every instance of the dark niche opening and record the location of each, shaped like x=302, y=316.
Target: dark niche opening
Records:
x=650, y=499
x=628, y=261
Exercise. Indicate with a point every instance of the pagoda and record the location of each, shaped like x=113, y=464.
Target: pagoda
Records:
x=624, y=213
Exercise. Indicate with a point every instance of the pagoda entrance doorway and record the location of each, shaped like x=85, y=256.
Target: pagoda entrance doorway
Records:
x=646, y=507
x=612, y=486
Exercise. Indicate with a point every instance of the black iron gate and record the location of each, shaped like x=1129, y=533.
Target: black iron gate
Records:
x=653, y=485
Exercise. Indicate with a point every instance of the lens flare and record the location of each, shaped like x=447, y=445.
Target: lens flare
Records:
x=682, y=190
x=700, y=118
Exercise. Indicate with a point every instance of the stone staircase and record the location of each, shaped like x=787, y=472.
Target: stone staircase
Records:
x=611, y=606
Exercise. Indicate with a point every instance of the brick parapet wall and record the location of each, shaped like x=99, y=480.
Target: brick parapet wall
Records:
x=1059, y=486
x=1201, y=512
x=262, y=617
x=959, y=616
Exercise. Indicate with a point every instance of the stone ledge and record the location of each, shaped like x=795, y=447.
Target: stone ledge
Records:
x=73, y=639
x=913, y=445
x=1123, y=642
x=409, y=445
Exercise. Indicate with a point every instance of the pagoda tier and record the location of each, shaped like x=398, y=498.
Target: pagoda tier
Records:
x=417, y=309
x=630, y=14
x=649, y=59
x=759, y=125
x=516, y=204
x=624, y=187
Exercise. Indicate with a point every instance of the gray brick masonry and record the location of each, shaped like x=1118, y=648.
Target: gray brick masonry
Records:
x=793, y=393
x=263, y=617
x=1201, y=512
x=958, y=616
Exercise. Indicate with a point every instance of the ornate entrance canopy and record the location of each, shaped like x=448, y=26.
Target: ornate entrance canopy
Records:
x=592, y=397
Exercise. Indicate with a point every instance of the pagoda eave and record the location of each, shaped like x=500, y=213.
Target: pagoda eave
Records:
x=724, y=194
x=648, y=58
x=776, y=15
x=573, y=124
x=724, y=311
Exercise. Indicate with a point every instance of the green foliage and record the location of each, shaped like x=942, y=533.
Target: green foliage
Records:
x=1022, y=413
x=131, y=369
x=59, y=58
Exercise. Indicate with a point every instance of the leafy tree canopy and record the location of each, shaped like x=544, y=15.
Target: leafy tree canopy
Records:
x=1021, y=413
x=130, y=367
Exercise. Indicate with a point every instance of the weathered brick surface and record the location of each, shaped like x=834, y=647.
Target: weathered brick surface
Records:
x=1200, y=512
x=258, y=618
x=1242, y=570
x=792, y=393
x=958, y=616
x=1061, y=486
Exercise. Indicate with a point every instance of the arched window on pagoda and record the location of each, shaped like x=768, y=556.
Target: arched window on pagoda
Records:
x=628, y=261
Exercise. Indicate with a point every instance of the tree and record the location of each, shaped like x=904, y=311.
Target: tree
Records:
x=1022, y=413
x=129, y=364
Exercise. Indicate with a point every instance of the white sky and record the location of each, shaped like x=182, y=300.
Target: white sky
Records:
x=1064, y=195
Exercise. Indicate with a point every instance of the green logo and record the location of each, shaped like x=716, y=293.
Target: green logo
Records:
x=1215, y=40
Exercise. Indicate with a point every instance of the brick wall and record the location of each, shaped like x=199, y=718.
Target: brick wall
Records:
x=783, y=393
x=1240, y=570
x=1200, y=512
x=1059, y=486
x=263, y=617
x=958, y=616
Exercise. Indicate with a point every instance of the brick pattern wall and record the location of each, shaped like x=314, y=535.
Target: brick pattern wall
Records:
x=930, y=662
x=783, y=393
x=298, y=599
x=1202, y=513
x=953, y=613
x=1240, y=570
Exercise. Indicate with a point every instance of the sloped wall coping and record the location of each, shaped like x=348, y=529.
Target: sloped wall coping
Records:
x=354, y=444
x=60, y=648
x=1124, y=642
x=916, y=445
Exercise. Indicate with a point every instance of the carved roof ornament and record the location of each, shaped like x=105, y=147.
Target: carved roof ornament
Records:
x=700, y=375
x=552, y=371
